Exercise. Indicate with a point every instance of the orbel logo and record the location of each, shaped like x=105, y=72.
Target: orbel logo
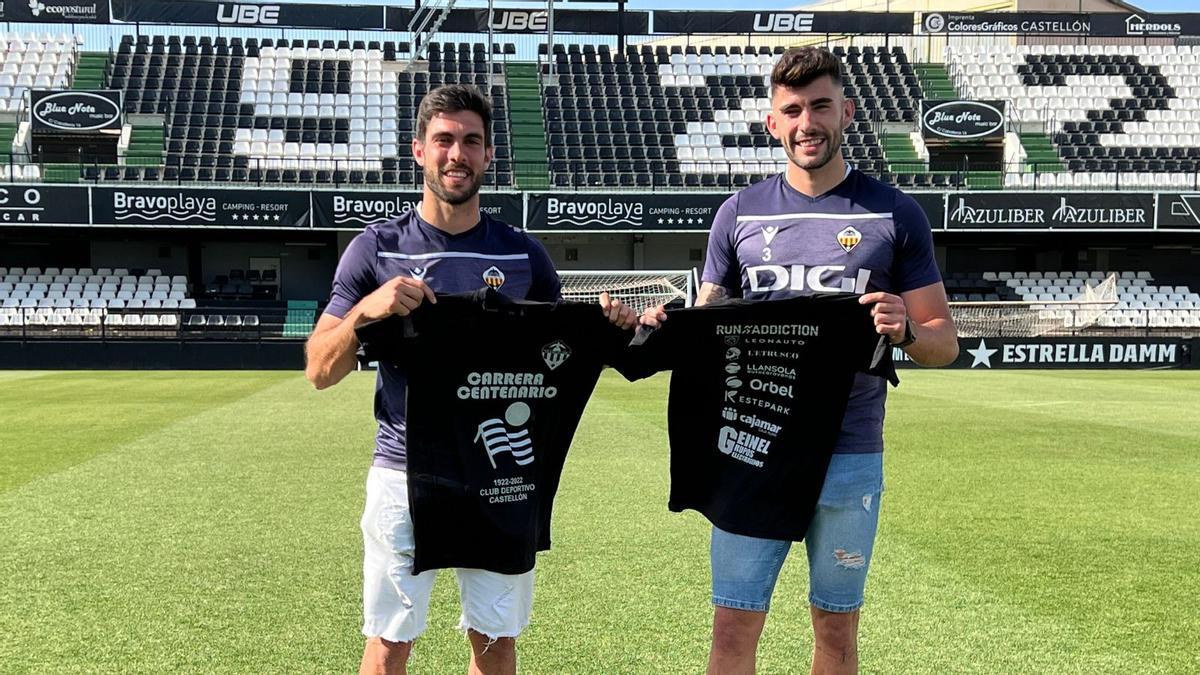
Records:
x=520, y=21
x=780, y=22
x=765, y=278
x=248, y=15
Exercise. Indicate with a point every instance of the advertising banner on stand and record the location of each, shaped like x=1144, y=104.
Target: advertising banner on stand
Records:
x=971, y=121
x=1048, y=210
x=55, y=11
x=532, y=20
x=623, y=212
x=782, y=22
x=191, y=207
x=43, y=205
x=356, y=209
x=1179, y=211
x=56, y=111
x=249, y=14
x=1068, y=352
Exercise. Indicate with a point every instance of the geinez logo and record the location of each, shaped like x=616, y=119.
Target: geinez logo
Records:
x=783, y=22
x=248, y=15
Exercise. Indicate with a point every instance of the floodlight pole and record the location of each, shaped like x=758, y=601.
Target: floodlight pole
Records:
x=491, y=46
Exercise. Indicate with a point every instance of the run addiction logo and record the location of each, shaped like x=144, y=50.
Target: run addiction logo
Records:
x=606, y=213
x=155, y=208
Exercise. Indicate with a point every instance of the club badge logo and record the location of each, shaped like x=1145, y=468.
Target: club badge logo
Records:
x=848, y=239
x=555, y=354
x=493, y=277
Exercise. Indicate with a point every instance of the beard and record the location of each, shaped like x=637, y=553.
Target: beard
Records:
x=433, y=179
x=833, y=145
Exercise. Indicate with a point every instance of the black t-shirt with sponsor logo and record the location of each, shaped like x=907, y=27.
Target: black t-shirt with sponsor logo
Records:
x=758, y=392
x=496, y=388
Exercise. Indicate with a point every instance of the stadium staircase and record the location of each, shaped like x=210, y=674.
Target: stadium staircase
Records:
x=301, y=317
x=1040, y=155
x=531, y=170
x=900, y=154
x=935, y=81
x=91, y=71
x=8, y=132
x=146, y=146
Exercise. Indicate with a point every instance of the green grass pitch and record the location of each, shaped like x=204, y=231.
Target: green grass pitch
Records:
x=156, y=522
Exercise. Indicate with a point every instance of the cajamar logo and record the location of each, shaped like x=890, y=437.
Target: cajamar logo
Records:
x=493, y=277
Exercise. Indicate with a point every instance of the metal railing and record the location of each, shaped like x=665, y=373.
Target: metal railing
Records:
x=236, y=323
x=600, y=171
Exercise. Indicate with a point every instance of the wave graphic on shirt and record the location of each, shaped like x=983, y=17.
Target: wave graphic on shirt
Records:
x=498, y=438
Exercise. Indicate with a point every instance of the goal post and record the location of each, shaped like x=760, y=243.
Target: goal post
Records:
x=1036, y=318
x=640, y=289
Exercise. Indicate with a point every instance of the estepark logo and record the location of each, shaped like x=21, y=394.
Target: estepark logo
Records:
x=248, y=15
x=783, y=22
x=516, y=20
x=607, y=213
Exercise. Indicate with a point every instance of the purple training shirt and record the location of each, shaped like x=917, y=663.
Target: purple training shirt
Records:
x=490, y=254
x=772, y=242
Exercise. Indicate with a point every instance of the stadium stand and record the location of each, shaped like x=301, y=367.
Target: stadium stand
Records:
x=290, y=111
x=696, y=114
x=86, y=297
x=1117, y=115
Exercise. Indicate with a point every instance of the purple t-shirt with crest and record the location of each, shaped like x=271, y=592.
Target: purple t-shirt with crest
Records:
x=491, y=254
x=770, y=241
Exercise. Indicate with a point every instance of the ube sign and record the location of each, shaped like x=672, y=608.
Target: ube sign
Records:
x=962, y=120
x=75, y=110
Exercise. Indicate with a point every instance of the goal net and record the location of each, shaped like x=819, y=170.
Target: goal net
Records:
x=638, y=289
x=1033, y=318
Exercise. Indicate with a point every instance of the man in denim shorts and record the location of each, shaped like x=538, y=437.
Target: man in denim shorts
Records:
x=821, y=227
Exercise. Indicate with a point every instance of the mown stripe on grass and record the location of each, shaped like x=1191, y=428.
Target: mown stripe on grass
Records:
x=54, y=421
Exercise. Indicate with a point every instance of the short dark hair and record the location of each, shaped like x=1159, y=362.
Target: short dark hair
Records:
x=452, y=98
x=800, y=66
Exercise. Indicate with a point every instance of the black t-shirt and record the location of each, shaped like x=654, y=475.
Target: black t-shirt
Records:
x=496, y=388
x=758, y=392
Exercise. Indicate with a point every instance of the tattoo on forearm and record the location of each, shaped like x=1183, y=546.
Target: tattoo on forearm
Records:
x=710, y=293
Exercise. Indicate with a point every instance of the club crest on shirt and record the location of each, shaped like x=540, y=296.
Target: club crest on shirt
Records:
x=419, y=272
x=493, y=277
x=555, y=354
x=849, y=238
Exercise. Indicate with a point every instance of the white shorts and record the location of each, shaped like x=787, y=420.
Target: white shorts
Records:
x=396, y=601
